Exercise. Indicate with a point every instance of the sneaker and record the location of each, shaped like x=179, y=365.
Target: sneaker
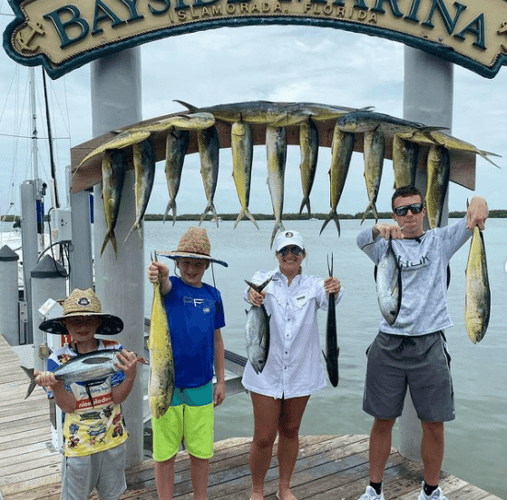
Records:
x=371, y=494
x=436, y=495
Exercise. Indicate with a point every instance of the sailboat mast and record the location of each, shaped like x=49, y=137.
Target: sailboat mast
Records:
x=35, y=163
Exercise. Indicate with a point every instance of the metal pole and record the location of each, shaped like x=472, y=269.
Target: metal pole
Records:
x=427, y=98
x=116, y=102
x=80, y=253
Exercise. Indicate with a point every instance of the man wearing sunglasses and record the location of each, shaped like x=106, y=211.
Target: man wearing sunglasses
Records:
x=412, y=351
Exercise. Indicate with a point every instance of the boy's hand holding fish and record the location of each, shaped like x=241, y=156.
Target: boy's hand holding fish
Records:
x=158, y=270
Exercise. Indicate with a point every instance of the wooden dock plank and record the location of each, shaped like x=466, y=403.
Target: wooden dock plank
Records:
x=328, y=467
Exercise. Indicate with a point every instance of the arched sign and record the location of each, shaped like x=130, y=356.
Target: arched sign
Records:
x=62, y=35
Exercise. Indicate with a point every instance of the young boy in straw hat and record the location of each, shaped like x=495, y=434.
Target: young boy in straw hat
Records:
x=195, y=315
x=94, y=431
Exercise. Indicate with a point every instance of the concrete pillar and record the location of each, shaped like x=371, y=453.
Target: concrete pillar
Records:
x=427, y=98
x=119, y=280
x=9, y=326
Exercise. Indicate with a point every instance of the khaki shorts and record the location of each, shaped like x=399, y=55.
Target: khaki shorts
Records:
x=190, y=417
x=421, y=363
x=104, y=470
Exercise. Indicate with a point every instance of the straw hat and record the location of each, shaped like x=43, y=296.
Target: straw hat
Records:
x=83, y=303
x=194, y=244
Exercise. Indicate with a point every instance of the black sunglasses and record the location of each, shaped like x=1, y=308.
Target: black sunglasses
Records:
x=415, y=208
x=293, y=248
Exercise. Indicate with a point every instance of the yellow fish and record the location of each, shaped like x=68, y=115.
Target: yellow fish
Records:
x=161, y=381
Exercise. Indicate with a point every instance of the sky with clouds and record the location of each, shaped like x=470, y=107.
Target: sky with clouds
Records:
x=227, y=65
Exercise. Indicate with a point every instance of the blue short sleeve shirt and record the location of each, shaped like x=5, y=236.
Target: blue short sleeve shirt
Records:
x=193, y=315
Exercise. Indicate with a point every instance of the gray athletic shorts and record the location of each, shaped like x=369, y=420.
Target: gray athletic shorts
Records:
x=419, y=362
x=104, y=470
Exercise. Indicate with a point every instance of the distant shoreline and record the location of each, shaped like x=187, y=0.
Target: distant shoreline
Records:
x=493, y=214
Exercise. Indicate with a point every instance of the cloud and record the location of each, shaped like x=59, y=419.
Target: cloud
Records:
x=283, y=63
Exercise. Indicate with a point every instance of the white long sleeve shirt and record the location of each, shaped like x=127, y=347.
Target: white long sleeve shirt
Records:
x=294, y=365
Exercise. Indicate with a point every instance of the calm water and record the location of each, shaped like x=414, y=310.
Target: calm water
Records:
x=476, y=442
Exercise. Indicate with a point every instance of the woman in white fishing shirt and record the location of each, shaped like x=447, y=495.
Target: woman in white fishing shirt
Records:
x=293, y=369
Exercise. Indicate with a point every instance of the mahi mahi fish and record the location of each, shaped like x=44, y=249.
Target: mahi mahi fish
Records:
x=190, y=121
x=257, y=331
x=242, y=156
x=144, y=169
x=162, y=374
x=478, y=295
x=342, y=147
x=88, y=367
x=114, y=167
x=405, y=161
x=448, y=141
x=367, y=121
x=388, y=278
x=374, y=149
x=209, y=151
x=122, y=140
x=295, y=113
x=175, y=151
x=332, y=349
x=309, y=146
x=276, y=147
x=439, y=168
x=249, y=112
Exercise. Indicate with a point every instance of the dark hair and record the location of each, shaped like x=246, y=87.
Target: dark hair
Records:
x=405, y=191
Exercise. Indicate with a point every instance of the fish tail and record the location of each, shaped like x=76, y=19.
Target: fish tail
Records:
x=31, y=387
x=135, y=227
x=190, y=107
x=278, y=227
x=372, y=207
x=209, y=208
x=110, y=236
x=332, y=216
x=245, y=213
x=306, y=202
x=485, y=155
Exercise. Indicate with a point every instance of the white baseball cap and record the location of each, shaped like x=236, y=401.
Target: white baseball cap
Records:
x=288, y=238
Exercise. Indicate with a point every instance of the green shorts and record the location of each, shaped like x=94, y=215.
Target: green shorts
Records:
x=190, y=417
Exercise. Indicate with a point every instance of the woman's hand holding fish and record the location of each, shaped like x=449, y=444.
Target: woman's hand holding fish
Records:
x=387, y=231
x=256, y=298
x=332, y=285
x=477, y=213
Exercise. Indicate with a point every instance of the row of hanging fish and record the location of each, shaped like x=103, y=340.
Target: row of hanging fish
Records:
x=376, y=127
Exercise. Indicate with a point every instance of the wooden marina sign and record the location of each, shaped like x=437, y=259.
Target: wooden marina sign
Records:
x=62, y=35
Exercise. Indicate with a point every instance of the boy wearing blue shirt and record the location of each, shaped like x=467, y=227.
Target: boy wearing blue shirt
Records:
x=195, y=316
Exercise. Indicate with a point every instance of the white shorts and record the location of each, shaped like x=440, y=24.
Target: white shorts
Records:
x=104, y=470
